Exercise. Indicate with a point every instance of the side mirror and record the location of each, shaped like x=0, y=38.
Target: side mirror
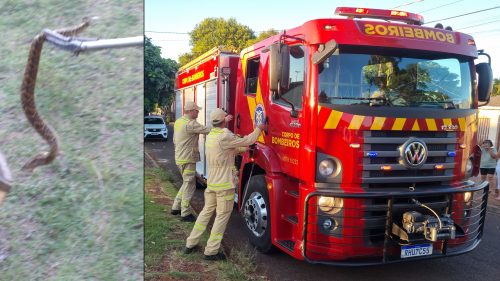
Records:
x=485, y=81
x=279, y=67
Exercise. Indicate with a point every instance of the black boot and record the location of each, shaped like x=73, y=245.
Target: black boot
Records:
x=189, y=218
x=190, y=250
x=217, y=257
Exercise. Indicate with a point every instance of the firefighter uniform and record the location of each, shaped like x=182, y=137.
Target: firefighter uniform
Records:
x=186, y=134
x=221, y=147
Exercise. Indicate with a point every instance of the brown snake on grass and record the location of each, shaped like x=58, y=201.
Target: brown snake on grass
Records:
x=28, y=97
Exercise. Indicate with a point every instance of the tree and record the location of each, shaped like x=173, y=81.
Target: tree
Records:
x=213, y=32
x=496, y=87
x=159, y=78
x=263, y=35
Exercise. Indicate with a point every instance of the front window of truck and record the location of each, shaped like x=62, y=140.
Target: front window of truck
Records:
x=394, y=80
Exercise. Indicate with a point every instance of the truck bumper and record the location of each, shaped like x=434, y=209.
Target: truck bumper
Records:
x=361, y=231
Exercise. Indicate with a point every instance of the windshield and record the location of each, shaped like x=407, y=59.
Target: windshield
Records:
x=151, y=120
x=385, y=80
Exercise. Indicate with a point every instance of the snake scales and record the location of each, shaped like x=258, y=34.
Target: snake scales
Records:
x=28, y=97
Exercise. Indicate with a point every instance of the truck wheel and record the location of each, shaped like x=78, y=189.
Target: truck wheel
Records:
x=257, y=215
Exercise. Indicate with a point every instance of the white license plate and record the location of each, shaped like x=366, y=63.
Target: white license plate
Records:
x=416, y=250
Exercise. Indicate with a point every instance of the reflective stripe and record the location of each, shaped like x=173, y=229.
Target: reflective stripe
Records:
x=200, y=227
x=188, y=172
x=180, y=162
x=210, y=143
x=185, y=203
x=216, y=237
x=180, y=122
x=229, y=197
x=213, y=136
x=218, y=186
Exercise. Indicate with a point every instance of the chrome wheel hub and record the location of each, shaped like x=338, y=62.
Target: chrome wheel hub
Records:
x=255, y=214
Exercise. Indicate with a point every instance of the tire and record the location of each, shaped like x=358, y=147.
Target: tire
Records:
x=256, y=214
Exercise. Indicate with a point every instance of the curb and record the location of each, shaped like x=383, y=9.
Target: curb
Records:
x=150, y=159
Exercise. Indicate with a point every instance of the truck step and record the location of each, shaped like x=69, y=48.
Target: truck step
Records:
x=288, y=244
x=293, y=219
x=293, y=193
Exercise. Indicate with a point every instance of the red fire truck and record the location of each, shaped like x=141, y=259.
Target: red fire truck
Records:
x=370, y=147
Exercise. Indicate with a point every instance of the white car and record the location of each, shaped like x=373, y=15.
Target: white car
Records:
x=155, y=127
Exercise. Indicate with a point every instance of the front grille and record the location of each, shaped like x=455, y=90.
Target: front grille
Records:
x=385, y=145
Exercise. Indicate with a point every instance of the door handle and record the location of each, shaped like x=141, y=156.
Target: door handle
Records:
x=238, y=121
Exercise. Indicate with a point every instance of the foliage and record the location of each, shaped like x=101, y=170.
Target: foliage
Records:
x=263, y=35
x=213, y=32
x=159, y=78
x=496, y=87
x=186, y=57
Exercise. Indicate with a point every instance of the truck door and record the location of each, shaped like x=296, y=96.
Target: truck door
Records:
x=284, y=129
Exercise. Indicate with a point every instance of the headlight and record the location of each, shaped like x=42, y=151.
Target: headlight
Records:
x=326, y=167
x=330, y=205
x=468, y=168
x=467, y=196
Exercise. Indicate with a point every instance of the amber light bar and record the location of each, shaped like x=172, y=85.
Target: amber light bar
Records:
x=380, y=14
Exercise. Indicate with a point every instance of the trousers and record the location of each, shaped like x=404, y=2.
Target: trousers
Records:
x=222, y=202
x=183, y=198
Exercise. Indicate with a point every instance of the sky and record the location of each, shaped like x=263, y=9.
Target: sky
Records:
x=167, y=23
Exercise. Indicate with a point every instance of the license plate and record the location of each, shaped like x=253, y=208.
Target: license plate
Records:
x=416, y=250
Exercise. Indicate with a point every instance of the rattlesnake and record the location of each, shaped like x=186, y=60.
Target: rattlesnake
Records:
x=28, y=97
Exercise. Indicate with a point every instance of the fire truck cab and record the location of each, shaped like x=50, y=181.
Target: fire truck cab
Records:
x=371, y=143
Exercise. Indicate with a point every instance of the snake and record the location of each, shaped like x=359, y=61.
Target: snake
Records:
x=28, y=97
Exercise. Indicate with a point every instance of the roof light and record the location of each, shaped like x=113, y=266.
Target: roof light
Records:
x=372, y=154
x=399, y=13
x=354, y=145
x=380, y=14
x=463, y=145
x=361, y=11
x=452, y=154
x=330, y=27
x=471, y=42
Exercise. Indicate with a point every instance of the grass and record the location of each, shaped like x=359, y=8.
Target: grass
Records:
x=80, y=217
x=165, y=238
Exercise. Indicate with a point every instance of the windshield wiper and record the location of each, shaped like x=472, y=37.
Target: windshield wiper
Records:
x=373, y=100
x=446, y=104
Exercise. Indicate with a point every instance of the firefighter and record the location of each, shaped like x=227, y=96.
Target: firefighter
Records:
x=221, y=147
x=186, y=133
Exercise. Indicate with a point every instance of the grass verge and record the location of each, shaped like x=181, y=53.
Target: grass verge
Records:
x=80, y=218
x=165, y=238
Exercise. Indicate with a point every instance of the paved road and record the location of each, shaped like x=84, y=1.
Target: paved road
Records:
x=481, y=264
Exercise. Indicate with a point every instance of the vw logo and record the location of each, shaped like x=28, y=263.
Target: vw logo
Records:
x=413, y=153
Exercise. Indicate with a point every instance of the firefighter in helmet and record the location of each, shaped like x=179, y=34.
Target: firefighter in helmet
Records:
x=186, y=134
x=221, y=147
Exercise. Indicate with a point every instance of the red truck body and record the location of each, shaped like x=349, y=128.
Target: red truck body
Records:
x=344, y=176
